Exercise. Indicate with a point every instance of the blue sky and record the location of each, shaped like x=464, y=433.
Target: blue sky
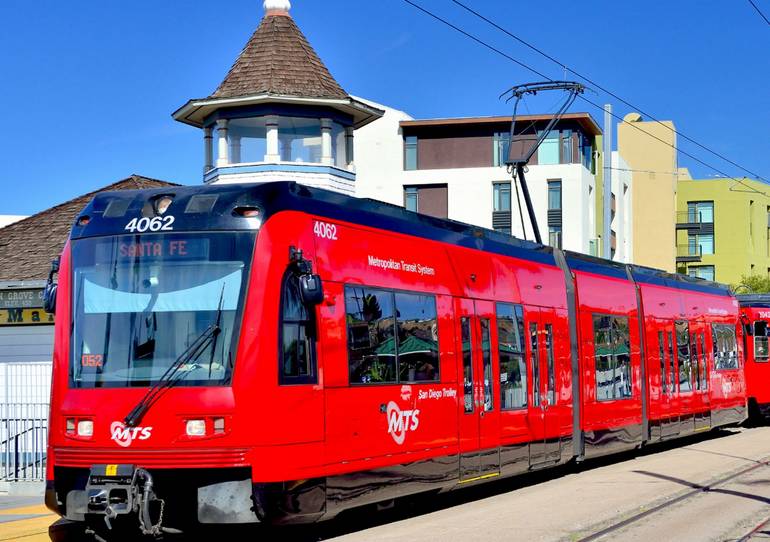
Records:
x=88, y=87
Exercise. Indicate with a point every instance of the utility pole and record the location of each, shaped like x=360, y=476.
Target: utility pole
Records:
x=607, y=183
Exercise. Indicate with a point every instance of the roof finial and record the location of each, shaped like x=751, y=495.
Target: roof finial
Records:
x=276, y=7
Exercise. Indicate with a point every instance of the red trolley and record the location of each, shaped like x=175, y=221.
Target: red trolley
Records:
x=278, y=353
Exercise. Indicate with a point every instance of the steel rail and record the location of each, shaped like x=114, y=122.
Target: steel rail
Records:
x=699, y=489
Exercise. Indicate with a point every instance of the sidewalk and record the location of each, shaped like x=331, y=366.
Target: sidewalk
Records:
x=24, y=519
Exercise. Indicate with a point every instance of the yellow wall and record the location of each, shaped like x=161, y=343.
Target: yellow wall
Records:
x=653, y=191
x=740, y=226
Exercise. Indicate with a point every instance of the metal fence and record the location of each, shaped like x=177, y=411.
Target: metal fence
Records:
x=24, y=400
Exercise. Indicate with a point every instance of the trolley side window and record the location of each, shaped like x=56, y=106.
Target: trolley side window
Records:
x=612, y=351
x=510, y=347
x=661, y=345
x=392, y=336
x=725, y=350
x=761, y=330
x=417, y=340
x=297, y=336
x=684, y=361
x=704, y=383
x=486, y=364
x=671, y=367
x=466, y=339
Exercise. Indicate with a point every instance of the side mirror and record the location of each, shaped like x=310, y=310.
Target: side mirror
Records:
x=49, y=292
x=311, y=289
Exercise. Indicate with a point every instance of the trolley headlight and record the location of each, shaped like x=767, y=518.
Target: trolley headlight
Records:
x=195, y=428
x=70, y=426
x=85, y=428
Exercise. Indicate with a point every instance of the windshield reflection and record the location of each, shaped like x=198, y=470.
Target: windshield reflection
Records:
x=142, y=301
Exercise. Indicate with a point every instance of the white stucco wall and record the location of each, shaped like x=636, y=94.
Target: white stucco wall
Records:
x=379, y=157
x=378, y=152
x=622, y=224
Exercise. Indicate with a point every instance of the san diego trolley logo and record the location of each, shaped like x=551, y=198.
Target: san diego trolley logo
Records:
x=124, y=436
x=401, y=421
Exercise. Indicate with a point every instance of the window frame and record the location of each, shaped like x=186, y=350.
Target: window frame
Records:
x=551, y=185
x=498, y=189
x=680, y=364
x=412, y=192
x=520, y=330
x=411, y=144
x=312, y=324
x=663, y=372
x=392, y=293
x=613, y=355
x=714, y=342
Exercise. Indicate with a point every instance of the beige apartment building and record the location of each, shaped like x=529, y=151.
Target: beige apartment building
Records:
x=649, y=149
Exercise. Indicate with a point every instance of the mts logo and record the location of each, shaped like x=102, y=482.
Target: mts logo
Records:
x=401, y=421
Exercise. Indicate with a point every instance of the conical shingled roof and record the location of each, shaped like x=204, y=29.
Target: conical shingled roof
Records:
x=279, y=60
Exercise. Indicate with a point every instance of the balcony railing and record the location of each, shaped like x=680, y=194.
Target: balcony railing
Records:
x=691, y=220
x=688, y=253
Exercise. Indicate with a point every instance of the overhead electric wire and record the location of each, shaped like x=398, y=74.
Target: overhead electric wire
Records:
x=581, y=96
x=759, y=11
x=605, y=90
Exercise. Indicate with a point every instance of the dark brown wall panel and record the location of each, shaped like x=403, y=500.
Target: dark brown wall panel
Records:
x=454, y=152
x=433, y=200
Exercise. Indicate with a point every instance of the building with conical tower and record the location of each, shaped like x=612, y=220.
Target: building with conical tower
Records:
x=279, y=113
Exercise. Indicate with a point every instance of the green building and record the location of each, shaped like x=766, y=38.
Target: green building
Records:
x=723, y=229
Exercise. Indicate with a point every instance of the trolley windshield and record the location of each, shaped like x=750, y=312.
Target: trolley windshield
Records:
x=139, y=302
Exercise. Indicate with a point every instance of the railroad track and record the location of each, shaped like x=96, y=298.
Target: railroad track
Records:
x=761, y=525
x=697, y=490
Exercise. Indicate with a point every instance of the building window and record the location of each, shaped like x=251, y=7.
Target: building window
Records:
x=501, y=206
x=701, y=271
x=554, y=236
x=566, y=146
x=554, y=213
x=548, y=152
x=501, y=143
x=612, y=352
x=554, y=195
x=587, y=152
x=725, y=349
x=299, y=139
x=501, y=196
x=513, y=368
x=700, y=212
x=410, y=153
x=700, y=244
x=428, y=199
x=297, y=335
x=392, y=336
x=247, y=140
x=410, y=198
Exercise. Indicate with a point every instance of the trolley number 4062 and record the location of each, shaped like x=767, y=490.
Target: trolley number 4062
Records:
x=325, y=230
x=156, y=223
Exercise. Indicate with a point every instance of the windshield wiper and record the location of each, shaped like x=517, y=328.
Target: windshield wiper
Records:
x=173, y=374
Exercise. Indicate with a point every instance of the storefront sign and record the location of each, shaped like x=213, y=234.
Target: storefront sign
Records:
x=21, y=299
x=23, y=307
x=19, y=317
